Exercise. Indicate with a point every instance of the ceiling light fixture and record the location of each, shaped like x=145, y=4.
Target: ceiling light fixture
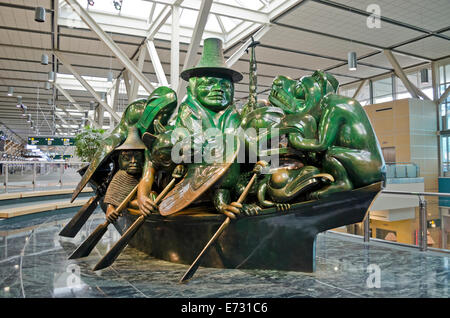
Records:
x=424, y=76
x=51, y=76
x=39, y=14
x=19, y=101
x=47, y=85
x=10, y=91
x=110, y=76
x=117, y=4
x=352, y=61
x=44, y=59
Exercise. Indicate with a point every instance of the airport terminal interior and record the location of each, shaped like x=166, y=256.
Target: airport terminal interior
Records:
x=69, y=69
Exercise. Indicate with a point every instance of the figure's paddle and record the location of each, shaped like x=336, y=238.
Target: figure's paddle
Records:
x=114, y=252
x=191, y=271
x=88, y=245
x=76, y=223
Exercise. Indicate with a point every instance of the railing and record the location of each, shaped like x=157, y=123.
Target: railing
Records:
x=422, y=242
x=31, y=174
x=402, y=170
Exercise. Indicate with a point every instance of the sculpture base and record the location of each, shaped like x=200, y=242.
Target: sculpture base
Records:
x=271, y=240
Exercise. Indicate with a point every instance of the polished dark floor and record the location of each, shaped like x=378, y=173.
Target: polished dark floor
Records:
x=33, y=263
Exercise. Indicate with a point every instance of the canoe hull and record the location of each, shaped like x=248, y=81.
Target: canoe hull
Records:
x=272, y=240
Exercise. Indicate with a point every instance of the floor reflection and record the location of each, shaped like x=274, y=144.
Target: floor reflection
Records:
x=33, y=263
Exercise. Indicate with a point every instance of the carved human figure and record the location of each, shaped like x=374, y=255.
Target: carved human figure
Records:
x=131, y=162
x=144, y=114
x=209, y=105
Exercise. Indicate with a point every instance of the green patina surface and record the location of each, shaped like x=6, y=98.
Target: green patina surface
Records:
x=326, y=133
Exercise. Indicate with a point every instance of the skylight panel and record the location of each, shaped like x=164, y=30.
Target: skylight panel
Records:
x=229, y=23
x=158, y=9
x=139, y=9
x=135, y=9
x=248, y=4
x=212, y=24
x=188, y=18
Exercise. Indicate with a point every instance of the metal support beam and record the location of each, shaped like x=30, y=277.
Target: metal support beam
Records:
x=162, y=79
x=222, y=9
x=197, y=34
x=239, y=52
x=86, y=84
x=159, y=22
x=126, y=79
x=62, y=119
x=175, y=48
x=74, y=103
x=435, y=87
x=64, y=109
x=422, y=233
x=443, y=96
x=359, y=88
x=366, y=224
x=117, y=51
x=115, y=102
x=134, y=82
x=412, y=89
x=100, y=116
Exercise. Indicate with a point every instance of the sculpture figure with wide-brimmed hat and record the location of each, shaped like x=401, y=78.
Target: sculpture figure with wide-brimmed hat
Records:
x=130, y=159
x=208, y=106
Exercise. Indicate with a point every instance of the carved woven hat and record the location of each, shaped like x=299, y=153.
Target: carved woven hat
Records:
x=212, y=63
x=133, y=142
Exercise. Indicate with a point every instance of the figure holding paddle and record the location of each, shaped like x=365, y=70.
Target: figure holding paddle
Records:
x=130, y=162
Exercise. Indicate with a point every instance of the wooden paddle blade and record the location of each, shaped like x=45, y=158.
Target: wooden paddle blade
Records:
x=88, y=245
x=73, y=227
x=191, y=271
x=114, y=252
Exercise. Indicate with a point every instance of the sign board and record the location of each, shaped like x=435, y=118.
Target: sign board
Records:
x=57, y=157
x=51, y=141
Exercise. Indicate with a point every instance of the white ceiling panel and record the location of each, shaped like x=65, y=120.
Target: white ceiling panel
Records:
x=12, y=37
x=430, y=14
x=431, y=47
x=322, y=18
x=362, y=71
x=290, y=58
x=31, y=3
x=314, y=43
x=381, y=60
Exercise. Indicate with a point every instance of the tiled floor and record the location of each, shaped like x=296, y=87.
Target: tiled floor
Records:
x=33, y=263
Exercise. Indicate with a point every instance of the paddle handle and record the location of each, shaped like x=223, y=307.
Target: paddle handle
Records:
x=128, y=198
x=193, y=268
x=114, y=252
x=247, y=188
x=166, y=189
x=191, y=271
